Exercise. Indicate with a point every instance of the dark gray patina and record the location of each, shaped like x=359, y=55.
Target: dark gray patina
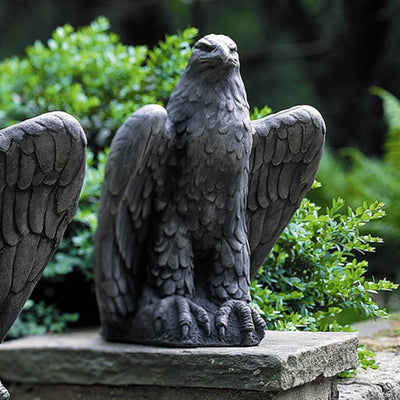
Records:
x=42, y=166
x=195, y=196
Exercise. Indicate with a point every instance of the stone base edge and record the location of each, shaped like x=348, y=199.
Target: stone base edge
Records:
x=321, y=389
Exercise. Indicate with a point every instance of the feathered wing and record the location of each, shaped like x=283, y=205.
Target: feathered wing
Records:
x=42, y=166
x=287, y=149
x=136, y=168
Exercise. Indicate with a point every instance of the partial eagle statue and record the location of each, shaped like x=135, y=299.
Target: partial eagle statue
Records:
x=42, y=166
x=194, y=197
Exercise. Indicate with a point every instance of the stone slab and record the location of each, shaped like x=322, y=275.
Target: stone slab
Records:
x=321, y=389
x=360, y=391
x=380, y=384
x=282, y=361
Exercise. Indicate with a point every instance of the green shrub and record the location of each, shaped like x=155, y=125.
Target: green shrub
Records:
x=39, y=318
x=350, y=174
x=92, y=75
x=315, y=275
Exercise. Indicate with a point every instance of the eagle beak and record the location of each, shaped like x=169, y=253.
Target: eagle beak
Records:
x=223, y=54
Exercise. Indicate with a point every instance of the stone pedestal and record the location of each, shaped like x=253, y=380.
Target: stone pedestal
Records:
x=285, y=366
x=380, y=384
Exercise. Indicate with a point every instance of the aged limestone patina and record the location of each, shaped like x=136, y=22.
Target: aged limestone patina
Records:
x=42, y=167
x=195, y=196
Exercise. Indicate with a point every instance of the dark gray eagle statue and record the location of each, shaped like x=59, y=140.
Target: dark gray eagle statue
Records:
x=42, y=166
x=194, y=197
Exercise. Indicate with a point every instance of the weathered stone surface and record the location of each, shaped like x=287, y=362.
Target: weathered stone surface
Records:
x=381, y=384
x=360, y=391
x=319, y=390
x=283, y=360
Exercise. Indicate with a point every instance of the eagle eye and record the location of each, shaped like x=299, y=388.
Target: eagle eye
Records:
x=205, y=47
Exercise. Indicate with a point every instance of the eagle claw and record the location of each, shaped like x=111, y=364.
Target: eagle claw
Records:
x=249, y=319
x=187, y=311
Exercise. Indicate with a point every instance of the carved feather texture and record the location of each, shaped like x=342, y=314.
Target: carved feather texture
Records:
x=291, y=143
x=136, y=166
x=195, y=195
x=43, y=163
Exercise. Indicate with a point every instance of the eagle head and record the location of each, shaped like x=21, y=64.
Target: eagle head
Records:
x=211, y=75
x=214, y=54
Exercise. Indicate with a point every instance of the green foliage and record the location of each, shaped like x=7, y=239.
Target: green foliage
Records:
x=367, y=358
x=90, y=74
x=359, y=178
x=38, y=318
x=260, y=113
x=391, y=108
x=355, y=177
x=314, y=275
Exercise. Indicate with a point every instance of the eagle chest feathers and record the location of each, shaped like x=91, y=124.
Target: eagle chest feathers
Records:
x=218, y=138
x=214, y=142
x=195, y=196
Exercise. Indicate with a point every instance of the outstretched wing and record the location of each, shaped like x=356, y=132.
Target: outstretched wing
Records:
x=287, y=149
x=42, y=166
x=136, y=167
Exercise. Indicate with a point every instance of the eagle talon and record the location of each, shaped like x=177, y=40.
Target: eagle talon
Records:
x=221, y=331
x=249, y=320
x=185, y=328
x=187, y=312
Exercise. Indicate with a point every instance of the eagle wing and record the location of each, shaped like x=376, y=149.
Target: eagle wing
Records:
x=136, y=167
x=287, y=149
x=42, y=166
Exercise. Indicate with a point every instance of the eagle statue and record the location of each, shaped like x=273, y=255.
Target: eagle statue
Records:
x=42, y=167
x=194, y=197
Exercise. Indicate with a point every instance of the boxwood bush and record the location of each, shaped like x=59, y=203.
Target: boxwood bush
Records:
x=351, y=174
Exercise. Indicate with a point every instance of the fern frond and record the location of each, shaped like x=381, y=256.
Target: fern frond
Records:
x=391, y=110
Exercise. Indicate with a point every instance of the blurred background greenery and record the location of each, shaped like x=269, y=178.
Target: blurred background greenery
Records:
x=333, y=54
x=323, y=52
